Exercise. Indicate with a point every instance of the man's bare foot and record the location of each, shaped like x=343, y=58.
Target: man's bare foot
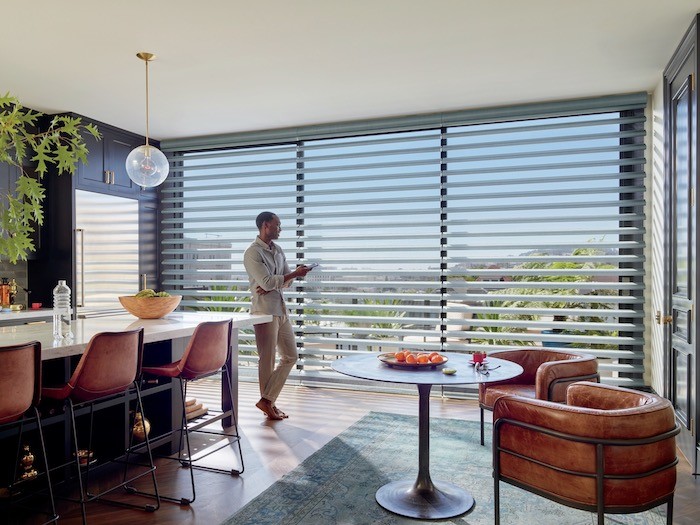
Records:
x=266, y=406
x=279, y=412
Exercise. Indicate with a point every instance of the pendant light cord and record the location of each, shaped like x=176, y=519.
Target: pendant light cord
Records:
x=147, y=144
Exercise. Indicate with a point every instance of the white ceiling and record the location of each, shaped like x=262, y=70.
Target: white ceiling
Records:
x=241, y=65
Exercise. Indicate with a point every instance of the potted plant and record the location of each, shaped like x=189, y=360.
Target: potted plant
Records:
x=59, y=145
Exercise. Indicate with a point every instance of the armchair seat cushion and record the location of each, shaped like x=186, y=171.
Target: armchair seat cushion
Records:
x=492, y=394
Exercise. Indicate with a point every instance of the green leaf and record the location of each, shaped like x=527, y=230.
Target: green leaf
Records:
x=55, y=150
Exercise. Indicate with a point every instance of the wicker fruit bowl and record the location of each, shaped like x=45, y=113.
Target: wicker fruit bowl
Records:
x=150, y=307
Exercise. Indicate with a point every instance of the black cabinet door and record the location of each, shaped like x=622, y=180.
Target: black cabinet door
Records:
x=117, y=147
x=8, y=177
x=93, y=175
x=106, y=168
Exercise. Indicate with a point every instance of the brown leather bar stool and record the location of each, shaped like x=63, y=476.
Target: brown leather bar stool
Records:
x=109, y=368
x=206, y=354
x=546, y=374
x=20, y=392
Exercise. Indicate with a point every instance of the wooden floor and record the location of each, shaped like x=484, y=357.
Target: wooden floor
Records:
x=272, y=449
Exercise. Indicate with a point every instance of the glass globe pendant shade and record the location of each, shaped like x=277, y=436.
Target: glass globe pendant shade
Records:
x=147, y=166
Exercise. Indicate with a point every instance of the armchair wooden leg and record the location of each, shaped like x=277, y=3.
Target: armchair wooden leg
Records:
x=669, y=511
x=481, y=415
x=496, y=502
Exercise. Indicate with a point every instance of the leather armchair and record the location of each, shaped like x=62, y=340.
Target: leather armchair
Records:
x=546, y=374
x=609, y=449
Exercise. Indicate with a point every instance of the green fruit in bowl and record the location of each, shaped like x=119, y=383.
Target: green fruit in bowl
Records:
x=148, y=292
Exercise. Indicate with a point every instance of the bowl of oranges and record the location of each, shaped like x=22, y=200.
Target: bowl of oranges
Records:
x=412, y=359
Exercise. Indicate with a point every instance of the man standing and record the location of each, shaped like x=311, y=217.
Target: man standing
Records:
x=269, y=273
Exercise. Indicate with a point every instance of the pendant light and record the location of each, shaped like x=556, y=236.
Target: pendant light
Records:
x=146, y=165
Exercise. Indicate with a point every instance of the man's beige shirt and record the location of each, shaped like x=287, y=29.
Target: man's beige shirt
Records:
x=266, y=267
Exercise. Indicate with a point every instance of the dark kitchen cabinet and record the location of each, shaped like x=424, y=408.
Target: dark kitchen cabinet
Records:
x=105, y=171
x=57, y=258
x=8, y=177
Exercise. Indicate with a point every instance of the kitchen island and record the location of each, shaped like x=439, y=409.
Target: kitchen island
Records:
x=174, y=326
x=165, y=340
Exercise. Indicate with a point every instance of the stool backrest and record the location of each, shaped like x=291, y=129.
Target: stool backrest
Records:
x=20, y=379
x=207, y=350
x=110, y=364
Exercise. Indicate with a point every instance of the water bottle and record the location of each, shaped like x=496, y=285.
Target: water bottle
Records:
x=61, y=312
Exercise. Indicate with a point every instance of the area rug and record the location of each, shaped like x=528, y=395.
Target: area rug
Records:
x=336, y=485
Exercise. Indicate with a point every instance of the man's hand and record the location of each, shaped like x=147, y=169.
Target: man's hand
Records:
x=262, y=291
x=302, y=270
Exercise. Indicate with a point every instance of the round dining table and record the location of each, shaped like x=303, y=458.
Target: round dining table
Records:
x=424, y=498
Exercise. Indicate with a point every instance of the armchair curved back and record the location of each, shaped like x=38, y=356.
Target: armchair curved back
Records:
x=609, y=449
x=547, y=372
x=20, y=381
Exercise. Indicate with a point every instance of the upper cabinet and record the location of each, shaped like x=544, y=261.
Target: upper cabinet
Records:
x=105, y=171
x=64, y=231
x=8, y=176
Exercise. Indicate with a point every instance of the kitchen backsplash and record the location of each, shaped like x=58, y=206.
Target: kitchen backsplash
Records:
x=18, y=272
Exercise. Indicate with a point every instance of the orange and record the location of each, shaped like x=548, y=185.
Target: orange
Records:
x=432, y=354
x=400, y=356
x=423, y=359
x=437, y=359
x=411, y=359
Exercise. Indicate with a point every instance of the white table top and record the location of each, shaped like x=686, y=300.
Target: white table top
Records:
x=172, y=326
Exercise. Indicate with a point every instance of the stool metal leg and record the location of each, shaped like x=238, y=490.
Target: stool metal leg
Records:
x=84, y=474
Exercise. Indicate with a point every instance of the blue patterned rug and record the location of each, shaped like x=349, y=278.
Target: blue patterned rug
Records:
x=336, y=485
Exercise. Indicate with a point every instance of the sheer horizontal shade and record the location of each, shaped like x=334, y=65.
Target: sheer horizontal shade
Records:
x=523, y=229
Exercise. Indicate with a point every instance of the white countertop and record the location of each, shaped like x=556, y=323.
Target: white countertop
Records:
x=26, y=315
x=172, y=326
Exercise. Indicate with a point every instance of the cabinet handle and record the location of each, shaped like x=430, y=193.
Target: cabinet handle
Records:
x=112, y=172
x=106, y=177
x=80, y=295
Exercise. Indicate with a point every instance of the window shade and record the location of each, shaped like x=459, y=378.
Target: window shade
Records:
x=526, y=231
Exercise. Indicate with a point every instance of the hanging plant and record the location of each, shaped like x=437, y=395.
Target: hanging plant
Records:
x=60, y=146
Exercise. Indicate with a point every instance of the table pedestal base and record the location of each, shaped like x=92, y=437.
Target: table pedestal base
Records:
x=439, y=501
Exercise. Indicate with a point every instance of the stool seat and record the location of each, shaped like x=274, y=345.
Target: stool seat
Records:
x=169, y=370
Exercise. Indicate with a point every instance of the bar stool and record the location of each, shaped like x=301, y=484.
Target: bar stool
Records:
x=20, y=391
x=206, y=354
x=109, y=369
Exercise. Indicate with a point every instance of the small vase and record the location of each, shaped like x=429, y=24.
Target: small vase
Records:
x=27, y=463
x=141, y=428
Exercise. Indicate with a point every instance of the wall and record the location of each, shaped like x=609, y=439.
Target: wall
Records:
x=656, y=280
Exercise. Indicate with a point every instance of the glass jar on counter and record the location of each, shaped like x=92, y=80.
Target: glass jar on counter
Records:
x=5, y=292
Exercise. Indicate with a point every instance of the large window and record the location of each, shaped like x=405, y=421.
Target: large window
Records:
x=522, y=228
